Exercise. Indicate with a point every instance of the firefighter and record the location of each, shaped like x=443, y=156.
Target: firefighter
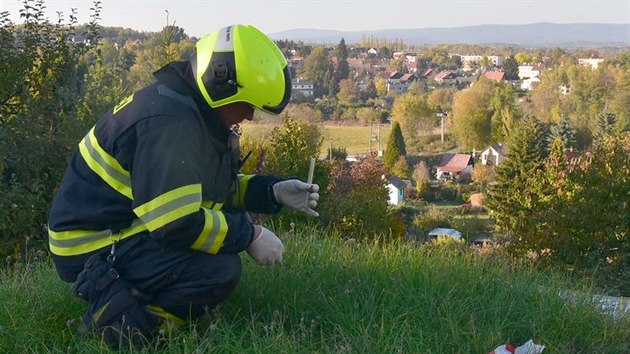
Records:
x=151, y=214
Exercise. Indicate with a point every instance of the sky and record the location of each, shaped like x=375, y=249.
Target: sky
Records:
x=198, y=17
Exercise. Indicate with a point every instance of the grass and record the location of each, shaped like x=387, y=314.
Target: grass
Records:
x=355, y=138
x=332, y=296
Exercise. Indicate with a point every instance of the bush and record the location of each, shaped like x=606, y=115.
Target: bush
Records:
x=356, y=202
x=433, y=217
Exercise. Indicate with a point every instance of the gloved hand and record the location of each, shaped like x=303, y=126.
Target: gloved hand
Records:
x=297, y=195
x=266, y=249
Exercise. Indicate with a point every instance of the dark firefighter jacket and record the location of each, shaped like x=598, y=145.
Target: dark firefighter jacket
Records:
x=159, y=163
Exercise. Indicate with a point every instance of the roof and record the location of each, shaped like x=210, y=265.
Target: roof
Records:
x=397, y=182
x=455, y=162
x=395, y=75
x=446, y=232
x=407, y=77
x=494, y=75
x=496, y=147
x=427, y=72
x=443, y=75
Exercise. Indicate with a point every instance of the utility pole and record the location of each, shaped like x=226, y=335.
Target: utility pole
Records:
x=376, y=137
x=441, y=115
x=371, y=136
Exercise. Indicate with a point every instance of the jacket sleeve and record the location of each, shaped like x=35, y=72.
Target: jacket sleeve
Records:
x=166, y=178
x=254, y=193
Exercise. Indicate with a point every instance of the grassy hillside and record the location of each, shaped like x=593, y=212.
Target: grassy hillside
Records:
x=356, y=139
x=332, y=296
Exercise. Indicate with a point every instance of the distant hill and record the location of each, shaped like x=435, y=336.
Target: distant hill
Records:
x=537, y=34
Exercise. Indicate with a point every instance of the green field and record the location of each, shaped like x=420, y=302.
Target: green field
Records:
x=356, y=139
x=335, y=296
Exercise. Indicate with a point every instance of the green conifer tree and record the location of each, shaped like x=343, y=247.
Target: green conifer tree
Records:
x=395, y=146
x=513, y=199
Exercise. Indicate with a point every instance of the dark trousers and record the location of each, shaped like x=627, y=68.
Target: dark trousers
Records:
x=182, y=282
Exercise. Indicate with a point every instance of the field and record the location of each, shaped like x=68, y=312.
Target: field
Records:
x=335, y=296
x=356, y=139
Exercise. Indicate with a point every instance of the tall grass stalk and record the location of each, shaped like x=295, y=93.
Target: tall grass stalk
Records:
x=334, y=296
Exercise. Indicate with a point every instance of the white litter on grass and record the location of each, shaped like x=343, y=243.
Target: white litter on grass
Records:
x=528, y=348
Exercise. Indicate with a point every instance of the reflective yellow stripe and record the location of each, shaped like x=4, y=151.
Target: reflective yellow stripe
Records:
x=171, y=320
x=123, y=103
x=213, y=234
x=209, y=204
x=74, y=242
x=242, y=188
x=105, y=165
x=170, y=206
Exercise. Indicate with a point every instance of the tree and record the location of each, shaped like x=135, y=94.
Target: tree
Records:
x=343, y=69
x=483, y=176
x=562, y=132
x=422, y=175
x=369, y=115
x=522, y=58
x=305, y=113
x=381, y=86
x=510, y=67
x=45, y=75
x=512, y=199
x=400, y=168
x=472, y=115
x=348, y=92
x=292, y=146
x=370, y=91
x=318, y=68
x=505, y=112
x=442, y=98
x=395, y=146
x=356, y=199
x=605, y=123
x=414, y=115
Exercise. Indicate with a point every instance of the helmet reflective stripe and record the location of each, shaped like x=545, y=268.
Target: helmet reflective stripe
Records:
x=224, y=40
x=241, y=64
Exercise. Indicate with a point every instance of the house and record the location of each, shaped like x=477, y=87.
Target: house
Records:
x=396, y=188
x=530, y=71
x=592, y=63
x=372, y=51
x=427, y=73
x=435, y=233
x=305, y=88
x=400, y=83
x=445, y=77
x=529, y=84
x=494, y=75
x=468, y=61
x=412, y=67
x=492, y=155
x=454, y=166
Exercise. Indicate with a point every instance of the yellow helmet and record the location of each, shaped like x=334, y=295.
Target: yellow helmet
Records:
x=239, y=63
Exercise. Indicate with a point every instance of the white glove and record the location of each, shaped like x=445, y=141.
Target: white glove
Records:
x=266, y=249
x=297, y=195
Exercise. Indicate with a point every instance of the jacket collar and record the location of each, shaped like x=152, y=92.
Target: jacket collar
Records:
x=178, y=76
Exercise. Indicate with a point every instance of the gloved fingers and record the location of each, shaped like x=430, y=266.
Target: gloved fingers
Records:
x=313, y=188
x=313, y=196
x=310, y=212
x=298, y=186
x=312, y=204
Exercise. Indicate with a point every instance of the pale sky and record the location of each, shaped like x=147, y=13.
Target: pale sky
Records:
x=197, y=17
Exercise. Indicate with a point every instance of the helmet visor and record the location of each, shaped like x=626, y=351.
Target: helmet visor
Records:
x=287, y=94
